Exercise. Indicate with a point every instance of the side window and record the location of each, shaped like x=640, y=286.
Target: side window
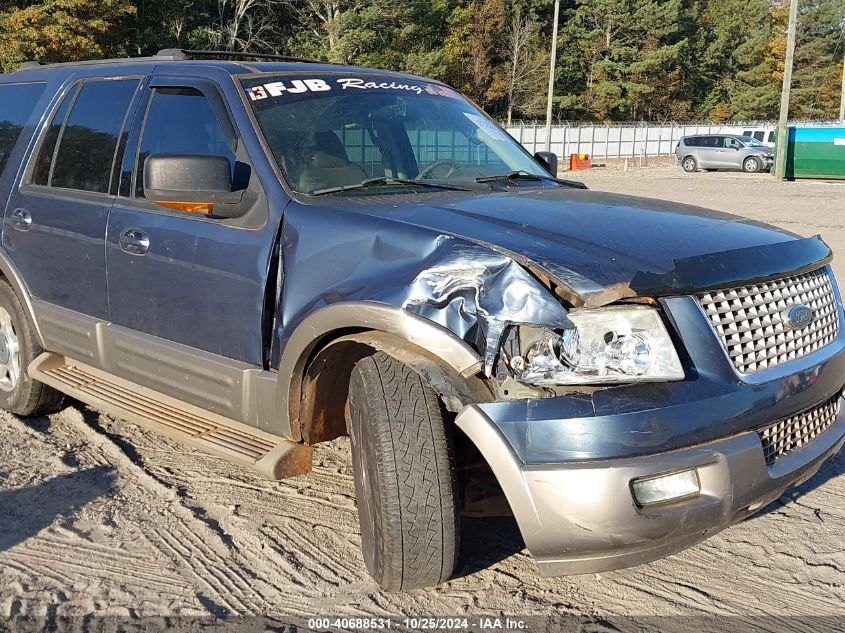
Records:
x=16, y=104
x=44, y=161
x=771, y=137
x=85, y=154
x=759, y=135
x=181, y=121
x=746, y=133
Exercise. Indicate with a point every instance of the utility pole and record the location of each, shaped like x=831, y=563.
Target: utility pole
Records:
x=842, y=99
x=552, y=80
x=780, y=158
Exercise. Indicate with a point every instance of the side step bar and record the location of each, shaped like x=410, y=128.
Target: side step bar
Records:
x=273, y=457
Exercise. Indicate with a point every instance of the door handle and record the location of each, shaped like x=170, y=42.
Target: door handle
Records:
x=21, y=220
x=134, y=242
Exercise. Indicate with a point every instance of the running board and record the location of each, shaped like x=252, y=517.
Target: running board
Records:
x=273, y=457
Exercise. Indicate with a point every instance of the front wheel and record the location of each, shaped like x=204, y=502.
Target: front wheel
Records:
x=751, y=165
x=689, y=164
x=405, y=480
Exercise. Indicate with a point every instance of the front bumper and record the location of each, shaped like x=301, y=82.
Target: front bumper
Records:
x=566, y=463
x=581, y=518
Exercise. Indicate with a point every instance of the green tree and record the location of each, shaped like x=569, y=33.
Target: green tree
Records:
x=65, y=30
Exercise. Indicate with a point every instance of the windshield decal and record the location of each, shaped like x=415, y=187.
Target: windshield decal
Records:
x=276, y=89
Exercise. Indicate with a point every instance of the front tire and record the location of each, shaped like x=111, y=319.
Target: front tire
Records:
x=19, y=346
x=689, y=164
x=405, y=479
x=751, y=165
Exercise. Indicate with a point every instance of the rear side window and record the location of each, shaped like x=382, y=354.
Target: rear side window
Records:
x=771, y=137
x=759, y=135
x=692, y=142
x=17, y=101
x=44, y=161
x=181, y=121
x=86, y=148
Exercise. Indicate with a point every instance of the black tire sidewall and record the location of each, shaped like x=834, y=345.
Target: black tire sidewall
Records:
x=756, y=162
x=694, y=164
x=367, y=480
x=405, y=476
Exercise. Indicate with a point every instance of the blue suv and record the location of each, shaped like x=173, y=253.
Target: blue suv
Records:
x=259, y=256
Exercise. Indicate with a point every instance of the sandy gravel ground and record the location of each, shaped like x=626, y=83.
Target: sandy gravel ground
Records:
x=102, y=517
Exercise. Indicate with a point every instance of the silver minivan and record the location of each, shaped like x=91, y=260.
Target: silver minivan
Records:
x=723, y=151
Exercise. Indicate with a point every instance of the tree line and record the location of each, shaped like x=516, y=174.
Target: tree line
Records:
x=618, y=60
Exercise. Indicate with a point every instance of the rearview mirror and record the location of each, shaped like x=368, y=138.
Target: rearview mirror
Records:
x=195, y=183
x=548, y=160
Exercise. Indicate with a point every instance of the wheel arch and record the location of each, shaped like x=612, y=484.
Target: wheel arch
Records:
x=9, y=273
x=318, y=358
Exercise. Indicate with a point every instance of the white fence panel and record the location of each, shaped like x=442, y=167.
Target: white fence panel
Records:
x=620, y=141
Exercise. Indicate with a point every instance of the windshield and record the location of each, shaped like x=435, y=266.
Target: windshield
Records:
x=751, y=141
x=330, y=132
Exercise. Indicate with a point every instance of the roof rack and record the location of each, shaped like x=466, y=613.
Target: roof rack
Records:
x=185, y=54
x=169, y=55
x=176, y=54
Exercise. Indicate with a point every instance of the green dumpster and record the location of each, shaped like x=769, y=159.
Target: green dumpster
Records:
x=816, y=152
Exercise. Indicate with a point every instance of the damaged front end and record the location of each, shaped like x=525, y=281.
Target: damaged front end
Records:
x=528, y=340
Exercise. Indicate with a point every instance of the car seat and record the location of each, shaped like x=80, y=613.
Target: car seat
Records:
x=328, y=165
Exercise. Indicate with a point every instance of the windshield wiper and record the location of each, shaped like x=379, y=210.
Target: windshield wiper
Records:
x=524, y=176
x=383, y=181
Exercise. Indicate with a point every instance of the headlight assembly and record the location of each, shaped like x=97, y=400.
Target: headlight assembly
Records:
x=614, y=344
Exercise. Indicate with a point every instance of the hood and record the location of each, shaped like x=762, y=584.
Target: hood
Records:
x=599, y=247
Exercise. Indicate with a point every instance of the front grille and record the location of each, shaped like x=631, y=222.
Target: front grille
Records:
x=796, y=432
x=751, y=325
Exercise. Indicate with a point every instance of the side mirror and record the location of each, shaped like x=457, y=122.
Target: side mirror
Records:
x=549, y=161
x=195, y=183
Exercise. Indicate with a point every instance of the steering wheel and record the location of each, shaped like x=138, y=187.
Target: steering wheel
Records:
x=439, y=169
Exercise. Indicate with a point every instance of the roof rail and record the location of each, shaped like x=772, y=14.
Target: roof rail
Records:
x=170, y=54
x=174, y=55
x=183, y=54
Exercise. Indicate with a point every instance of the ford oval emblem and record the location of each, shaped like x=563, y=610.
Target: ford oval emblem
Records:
x=798, y=317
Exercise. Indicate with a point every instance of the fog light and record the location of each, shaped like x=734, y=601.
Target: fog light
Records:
x=662, y=488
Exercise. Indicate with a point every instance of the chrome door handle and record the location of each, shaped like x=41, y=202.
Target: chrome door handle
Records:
x=134, y=242
x=21, y=220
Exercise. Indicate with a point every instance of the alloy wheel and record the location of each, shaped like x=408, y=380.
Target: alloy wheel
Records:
x=10, y=353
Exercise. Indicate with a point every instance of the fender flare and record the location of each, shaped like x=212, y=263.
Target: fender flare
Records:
x=336, y=320
x=10, y=272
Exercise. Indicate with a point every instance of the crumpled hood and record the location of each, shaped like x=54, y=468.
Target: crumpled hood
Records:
x=601, y=247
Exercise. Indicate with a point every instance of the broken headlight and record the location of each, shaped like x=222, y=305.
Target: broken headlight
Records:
x=606, y=345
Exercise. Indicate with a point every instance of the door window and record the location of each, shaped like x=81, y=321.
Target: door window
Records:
x=16, y=105
x=44, y=161
x=86, y=148
x=759, y=135
x=731, y=143
x=182, y=121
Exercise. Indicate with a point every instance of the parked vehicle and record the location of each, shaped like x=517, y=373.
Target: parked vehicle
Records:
x=766, y=136
x=723, y=151
x=259, y=257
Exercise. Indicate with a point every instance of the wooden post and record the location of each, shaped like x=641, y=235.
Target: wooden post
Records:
x=780, y=158
x=552, y=79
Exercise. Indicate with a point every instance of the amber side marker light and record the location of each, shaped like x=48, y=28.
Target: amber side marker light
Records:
x=665, y=488
x=188, y=207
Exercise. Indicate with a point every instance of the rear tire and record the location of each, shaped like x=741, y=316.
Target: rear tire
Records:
x=19, y=346
x=751, y=165
x=689, y=164
x=405, y=479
